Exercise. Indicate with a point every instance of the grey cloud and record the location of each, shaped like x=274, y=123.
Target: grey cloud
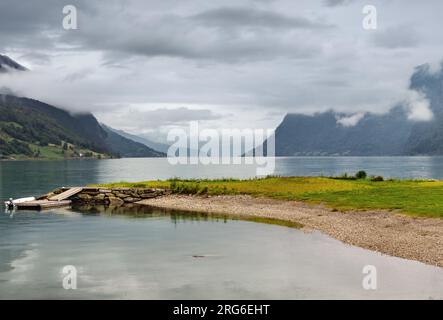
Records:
x=229, y=17
x=77, y=76
x=38, y=58
x=33, y=24
x=279, y=55
x=394, y=37
x=142, y=120
x=335, y=3
x=191, y=37
x=175, y=116
x=117, y=29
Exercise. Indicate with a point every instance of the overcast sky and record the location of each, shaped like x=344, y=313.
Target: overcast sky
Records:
x=145, y=66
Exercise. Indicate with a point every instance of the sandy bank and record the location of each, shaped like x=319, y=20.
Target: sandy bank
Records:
x=418, y=239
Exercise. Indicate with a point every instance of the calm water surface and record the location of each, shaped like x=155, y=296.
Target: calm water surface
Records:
x=146, y=253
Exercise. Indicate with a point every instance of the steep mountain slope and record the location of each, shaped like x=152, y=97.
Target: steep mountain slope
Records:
x=30, y=128
x=427, y=137
x=128, y=148
x=323, y=134
x=387, y=134
x=26, y=124
x=151, y=144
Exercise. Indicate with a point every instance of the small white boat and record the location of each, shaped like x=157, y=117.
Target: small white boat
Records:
x=13, y=202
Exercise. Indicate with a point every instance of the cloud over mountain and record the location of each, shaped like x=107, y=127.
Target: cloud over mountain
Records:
x=250, y=58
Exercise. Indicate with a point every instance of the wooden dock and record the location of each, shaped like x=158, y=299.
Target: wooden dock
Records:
x=67, y=194
x=55, y=201
x=43, y=204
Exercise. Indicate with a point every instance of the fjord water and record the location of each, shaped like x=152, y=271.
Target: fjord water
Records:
x=141, y=252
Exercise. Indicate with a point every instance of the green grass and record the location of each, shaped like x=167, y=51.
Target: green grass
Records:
x=48, y=152
x=414, y=197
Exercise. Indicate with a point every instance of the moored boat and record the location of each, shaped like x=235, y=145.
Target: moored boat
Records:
x=13, y=202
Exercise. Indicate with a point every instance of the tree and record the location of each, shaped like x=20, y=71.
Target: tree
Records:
x=361, y=174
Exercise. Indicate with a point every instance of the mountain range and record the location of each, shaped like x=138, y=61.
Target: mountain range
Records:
x=30, y=128
x=129, y=148
x=391, y=134
x=162, y=147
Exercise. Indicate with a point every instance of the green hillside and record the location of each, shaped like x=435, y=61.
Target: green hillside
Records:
x=31, y=129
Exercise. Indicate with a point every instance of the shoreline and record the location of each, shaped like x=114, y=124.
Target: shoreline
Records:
x=390, y=233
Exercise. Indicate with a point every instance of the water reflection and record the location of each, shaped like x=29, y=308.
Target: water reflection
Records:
x=154, y=254
x=142, y=211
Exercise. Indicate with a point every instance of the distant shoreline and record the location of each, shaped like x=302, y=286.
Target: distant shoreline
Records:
x=49, y=159
x=419, y=239
x=80, y=159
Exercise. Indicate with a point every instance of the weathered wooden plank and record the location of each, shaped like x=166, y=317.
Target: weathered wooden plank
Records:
x=43, y=204
x=66, y=194
x=53, y=204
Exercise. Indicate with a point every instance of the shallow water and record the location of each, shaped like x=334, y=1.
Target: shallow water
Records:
x=144, y=253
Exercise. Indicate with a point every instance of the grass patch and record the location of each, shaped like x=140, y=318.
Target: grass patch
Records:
x=413, y=197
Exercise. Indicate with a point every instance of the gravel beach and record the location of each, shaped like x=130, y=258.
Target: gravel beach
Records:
x=389, y=233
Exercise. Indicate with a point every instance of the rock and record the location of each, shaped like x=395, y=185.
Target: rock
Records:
x=100, y=197
x=84, y=196
x=145, y=191
x=115, y=201
x=117, y=196
x=91, y=193
x=121, y=195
